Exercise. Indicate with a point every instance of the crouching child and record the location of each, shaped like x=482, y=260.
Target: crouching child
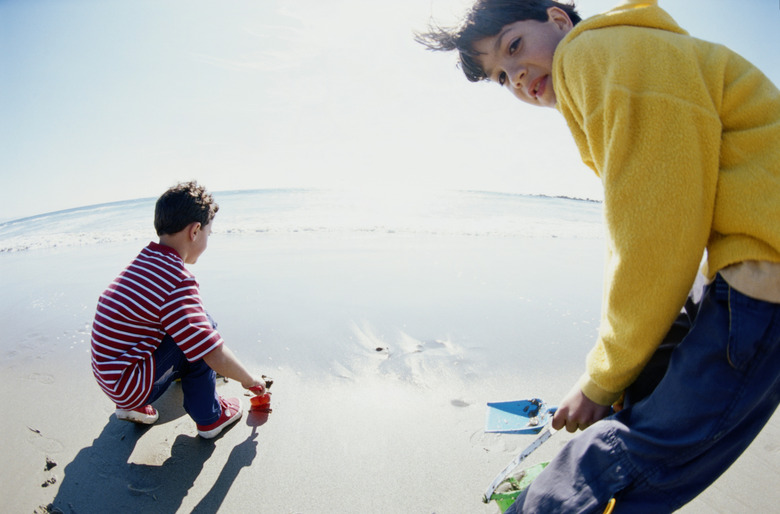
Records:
x=151, y=328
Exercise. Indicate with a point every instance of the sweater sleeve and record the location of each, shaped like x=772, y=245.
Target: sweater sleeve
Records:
x=644, y=120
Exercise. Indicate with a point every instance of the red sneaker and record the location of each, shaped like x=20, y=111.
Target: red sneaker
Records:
x=145, y=415
x=231, y=412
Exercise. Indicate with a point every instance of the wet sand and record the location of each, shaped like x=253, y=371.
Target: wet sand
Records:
x=384, y=351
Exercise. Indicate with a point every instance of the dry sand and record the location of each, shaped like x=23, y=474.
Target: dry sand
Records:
x=457, y=321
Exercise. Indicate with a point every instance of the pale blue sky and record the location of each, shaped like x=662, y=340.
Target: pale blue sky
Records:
x=107, y=100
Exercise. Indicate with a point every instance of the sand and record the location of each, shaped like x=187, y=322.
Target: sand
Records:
x=384, y=350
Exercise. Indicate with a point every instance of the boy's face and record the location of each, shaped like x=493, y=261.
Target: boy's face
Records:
x=520, y=56
x=199, y=243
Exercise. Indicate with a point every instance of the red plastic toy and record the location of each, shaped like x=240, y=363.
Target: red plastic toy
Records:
x=260, y=402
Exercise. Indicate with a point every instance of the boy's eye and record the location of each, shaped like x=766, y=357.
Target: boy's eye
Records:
x=514, y=45
x=502, y=78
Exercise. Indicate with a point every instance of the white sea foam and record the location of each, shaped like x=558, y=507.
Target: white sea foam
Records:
x=246, y=213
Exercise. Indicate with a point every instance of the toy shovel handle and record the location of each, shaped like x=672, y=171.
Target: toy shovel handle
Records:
x=546, y=433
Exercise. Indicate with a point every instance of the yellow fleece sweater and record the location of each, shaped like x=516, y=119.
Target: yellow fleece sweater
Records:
x=685, y=137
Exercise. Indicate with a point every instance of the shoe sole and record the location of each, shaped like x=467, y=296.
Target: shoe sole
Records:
x=136, y=417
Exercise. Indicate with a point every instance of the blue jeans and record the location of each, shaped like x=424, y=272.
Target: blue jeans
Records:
x=721, y=387
x=198, y=382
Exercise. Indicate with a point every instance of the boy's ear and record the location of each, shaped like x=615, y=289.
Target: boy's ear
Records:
x=559, y=17
x=193, y=229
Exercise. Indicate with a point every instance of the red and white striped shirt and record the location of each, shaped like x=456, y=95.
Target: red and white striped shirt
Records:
x=155, y=295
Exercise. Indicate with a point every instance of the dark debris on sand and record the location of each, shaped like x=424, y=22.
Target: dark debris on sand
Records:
x=47, y=509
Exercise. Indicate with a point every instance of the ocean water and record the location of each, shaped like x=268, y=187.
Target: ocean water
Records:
x=458, y=284
x=337, y=213
x=469, y=295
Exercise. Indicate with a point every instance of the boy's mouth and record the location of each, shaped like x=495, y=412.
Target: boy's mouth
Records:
x=537, y=87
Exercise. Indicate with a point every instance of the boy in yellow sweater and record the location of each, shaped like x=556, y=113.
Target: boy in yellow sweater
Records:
x=685, y=137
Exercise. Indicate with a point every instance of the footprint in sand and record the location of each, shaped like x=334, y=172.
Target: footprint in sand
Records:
x=431, y=345
x=43, y=443
x=43, y=378
x=493, y=442
x=138, y=491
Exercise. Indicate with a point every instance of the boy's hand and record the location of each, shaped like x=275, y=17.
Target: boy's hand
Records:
x=260, y=386
x=577, y=411
x=261, y=401
x=256, y=387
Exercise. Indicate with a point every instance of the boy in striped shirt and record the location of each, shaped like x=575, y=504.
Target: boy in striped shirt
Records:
x=150, y=327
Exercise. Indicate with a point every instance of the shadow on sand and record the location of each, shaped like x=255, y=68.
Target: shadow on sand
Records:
x=101, y=479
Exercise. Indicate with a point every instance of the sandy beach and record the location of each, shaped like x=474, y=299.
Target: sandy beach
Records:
x=384, y=350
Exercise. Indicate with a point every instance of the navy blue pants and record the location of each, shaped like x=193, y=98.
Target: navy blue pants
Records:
x=721, y=387
x=198, y=382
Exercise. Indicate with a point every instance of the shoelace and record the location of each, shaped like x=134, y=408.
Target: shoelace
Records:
x=227, y=408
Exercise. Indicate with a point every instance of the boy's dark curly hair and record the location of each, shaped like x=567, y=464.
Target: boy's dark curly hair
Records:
x=486, y=18
x=184, y=203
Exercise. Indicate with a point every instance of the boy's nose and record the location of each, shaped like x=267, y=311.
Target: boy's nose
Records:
x=517, y=78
